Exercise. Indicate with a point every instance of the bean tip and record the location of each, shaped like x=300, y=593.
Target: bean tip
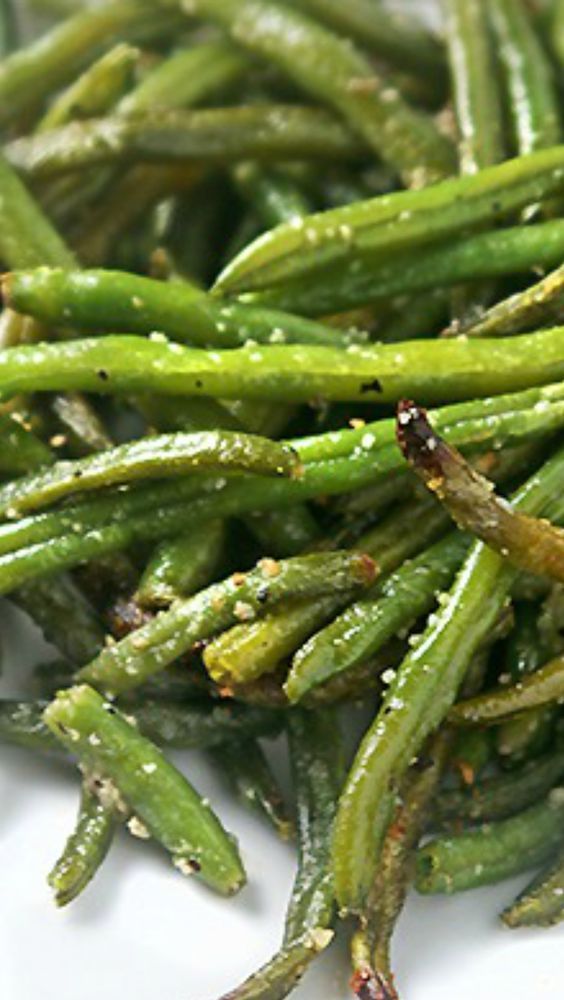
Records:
x=370, y=984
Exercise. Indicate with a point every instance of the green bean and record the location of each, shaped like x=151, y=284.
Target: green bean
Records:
x=155, y=645
x=332, y=70
x=184, y=568
x=540, y=904
x=8, y=28
x=61, y=540
x=64, y=615
x=477, y=100
x=540, y=688
x=540, y=304
x=439, y=371
x=284, y=533
x=529, y=79
x=184, y=78
x=214, y=135
x=28, y=76
x=175, y=724
x=365, y=626
x=131, y=767
x=485, y=255
x=20, y=449
x=249, y=774
x=525, y=652
x=385, y=33
x=502, y=795
x=112, y=300
x=316, y=757
x=421, y=694
x=84, y=851
x=558, y=31
x=371, y=943
x=491, y=852
x=26, y=236
x=275, y=196
x=162, y=456
x=471, y=753
x=278, y=977
x=394, y=222
x=94, y=92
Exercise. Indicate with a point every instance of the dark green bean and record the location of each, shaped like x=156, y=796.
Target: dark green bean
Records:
x=502, y=795
x=64, y=615
x=492, y=852
x=126, y=764
x=247, y=771
x=539, y=305
x=184, y=568
x=20, y=449
x=84, y=851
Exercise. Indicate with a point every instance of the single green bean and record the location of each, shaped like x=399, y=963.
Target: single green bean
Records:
x=330, y=69
x=105, y=301
x=540, y=904
x=492, y=852
x=84, y=851
x=20, y=449
x=477, y=100
x=437, y=371
x=540, y=304
x=27, y=238
x=502, y=795
x=245, y=767
x=529, y=78
x=162, y=456
x=544, y=686
x=394, y=222
x=421, y=694
x=95, y=91
x=184, y=568
x=275, y=196
x=215, y=135
x=159, y=796
x=384, y=33
x=282, y=973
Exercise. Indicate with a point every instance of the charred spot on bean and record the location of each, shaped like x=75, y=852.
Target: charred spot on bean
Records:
x=416, y=437
x=195, y=865
x=263, y=593
x=102, y=374
x=199, y=384
x=373, y=386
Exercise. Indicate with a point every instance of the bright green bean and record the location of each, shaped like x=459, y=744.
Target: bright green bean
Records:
x=105, y=301
x=94, y=92
x=434, y=371
x=160, y=797
x=394, y=222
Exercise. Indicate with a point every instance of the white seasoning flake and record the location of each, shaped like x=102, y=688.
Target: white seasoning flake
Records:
x=149, y=768
x=137, y=828
x=243, y=611
x=269, y=567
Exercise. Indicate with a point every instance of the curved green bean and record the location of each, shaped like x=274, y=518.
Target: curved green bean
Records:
x=126, y=764
x=159, y=457
x=106, y=301
x=84, y=851
x=492, y=852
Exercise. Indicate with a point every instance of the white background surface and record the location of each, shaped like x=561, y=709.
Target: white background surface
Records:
x=142, y=931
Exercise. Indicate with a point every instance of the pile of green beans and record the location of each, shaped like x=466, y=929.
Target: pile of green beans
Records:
x=243, y=244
